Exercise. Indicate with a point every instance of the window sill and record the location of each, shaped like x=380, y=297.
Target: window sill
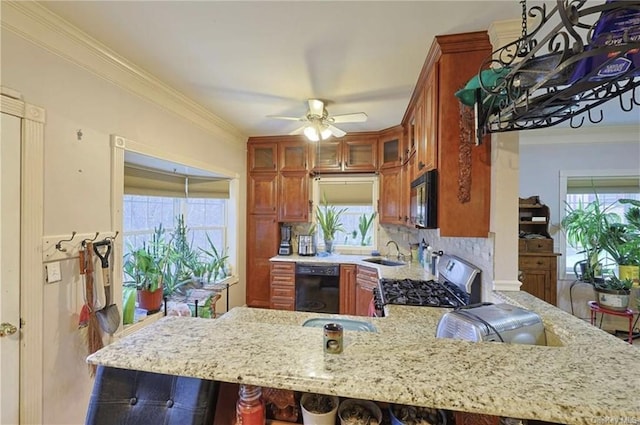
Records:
x=130, y=329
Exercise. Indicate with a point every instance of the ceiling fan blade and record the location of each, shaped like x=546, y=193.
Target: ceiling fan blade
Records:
x=280, y=117
x=316, y=107
x=336, y=131
x=297, y=131
x=355, y=117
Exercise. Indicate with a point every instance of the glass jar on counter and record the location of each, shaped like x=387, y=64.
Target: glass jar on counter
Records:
x=250, y=408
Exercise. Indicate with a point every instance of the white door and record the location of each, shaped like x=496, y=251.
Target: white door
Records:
x=9, y=269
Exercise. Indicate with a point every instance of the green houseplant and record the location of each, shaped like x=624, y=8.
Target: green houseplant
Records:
x=613, y=292
x=585, y=226
x=215, y=266
x=145, y=269
x=622, y=241
x=328, y=218
x=364, y=223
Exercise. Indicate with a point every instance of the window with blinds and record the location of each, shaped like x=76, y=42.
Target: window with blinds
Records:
x=153, y=197
x=358, y=196
x=608, y=189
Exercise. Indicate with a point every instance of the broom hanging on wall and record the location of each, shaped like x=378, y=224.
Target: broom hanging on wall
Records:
x=93, y=335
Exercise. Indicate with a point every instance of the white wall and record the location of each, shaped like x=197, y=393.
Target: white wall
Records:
x=77, y=188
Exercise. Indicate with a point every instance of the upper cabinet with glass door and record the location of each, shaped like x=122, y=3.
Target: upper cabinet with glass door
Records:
x=352, y=153
x=293, y=155
x=262, y=157
x=391, y=147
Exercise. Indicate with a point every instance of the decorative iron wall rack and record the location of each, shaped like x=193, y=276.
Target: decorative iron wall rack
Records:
x=581, y=63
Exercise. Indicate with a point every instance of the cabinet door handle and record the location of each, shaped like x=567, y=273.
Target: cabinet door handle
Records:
x=539, y=263
x=420, y=165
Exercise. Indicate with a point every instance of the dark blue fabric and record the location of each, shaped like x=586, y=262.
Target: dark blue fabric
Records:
x=131, y=397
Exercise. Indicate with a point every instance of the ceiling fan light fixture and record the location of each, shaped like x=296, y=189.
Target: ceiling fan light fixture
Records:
x=325, y=133
x=312, y=133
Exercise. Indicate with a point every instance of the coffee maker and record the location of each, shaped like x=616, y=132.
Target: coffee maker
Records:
x=285, y=240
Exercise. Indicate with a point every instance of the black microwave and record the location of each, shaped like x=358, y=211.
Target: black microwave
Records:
x=424, y=197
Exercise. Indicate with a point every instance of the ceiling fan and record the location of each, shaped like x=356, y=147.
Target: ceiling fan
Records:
x=319, y=124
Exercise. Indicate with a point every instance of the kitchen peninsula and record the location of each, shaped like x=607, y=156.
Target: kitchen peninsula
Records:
x=584, y=376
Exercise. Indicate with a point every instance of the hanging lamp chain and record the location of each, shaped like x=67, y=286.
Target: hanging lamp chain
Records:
x=524, y=45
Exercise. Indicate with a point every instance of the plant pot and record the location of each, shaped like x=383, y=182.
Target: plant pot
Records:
x=629, y=272
x=150, y=301
x=328, y=245
x=432, y=416
x=311, y=406
x=613, y=299
x=357, y=408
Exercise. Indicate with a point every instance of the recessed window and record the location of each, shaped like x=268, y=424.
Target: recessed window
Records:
x=357, y=196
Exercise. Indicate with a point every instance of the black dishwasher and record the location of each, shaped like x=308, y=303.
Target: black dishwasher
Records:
x=318, y=288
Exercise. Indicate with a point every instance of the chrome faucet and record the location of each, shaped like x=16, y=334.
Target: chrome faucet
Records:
x=397, y=249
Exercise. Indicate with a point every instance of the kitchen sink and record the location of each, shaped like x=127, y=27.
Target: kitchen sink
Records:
x=347, y=324
x=383, y=261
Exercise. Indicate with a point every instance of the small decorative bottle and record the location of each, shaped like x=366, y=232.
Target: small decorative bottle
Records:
x=250, y=409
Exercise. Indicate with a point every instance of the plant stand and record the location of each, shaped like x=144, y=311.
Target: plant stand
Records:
x=628, y=313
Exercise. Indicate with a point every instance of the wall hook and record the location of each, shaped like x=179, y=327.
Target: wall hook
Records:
x=79, y=134
x=84, y=242
x=113, y=238
x=59, y=244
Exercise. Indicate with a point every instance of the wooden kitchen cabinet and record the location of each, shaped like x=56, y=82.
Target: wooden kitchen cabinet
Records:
x=347, y=289
x=391, y=147
x=263, y=237
x=366, y=281
x=447, y=144
x=283, y=289
x=426, y=144
x=538, y=274
x=293, y=196
x=262, y=157
x=293, y=155
x=390, y=207
x=262, y=193
x=357, y=152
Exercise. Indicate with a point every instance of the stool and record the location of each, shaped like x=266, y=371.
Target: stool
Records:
x=628, y=313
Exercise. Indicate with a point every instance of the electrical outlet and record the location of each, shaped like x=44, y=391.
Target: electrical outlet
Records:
x=53, y=272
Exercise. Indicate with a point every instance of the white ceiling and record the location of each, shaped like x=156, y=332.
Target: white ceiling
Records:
x=244, y=60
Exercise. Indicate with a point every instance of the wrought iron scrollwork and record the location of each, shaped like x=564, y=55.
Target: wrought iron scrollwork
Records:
x=540, y=80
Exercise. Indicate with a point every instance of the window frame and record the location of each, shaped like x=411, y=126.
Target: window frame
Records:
x=119, y=146
x=565, y=176
x=350, y=249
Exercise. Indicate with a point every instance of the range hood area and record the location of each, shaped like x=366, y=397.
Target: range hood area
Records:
x=575, y=58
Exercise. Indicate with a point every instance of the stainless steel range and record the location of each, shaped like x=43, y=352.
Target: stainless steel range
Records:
x=458, y=284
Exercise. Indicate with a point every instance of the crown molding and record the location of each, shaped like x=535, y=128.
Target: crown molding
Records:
x=591, y=134
x=34, y=22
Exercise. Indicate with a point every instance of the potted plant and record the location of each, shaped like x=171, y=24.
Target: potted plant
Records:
x=585, y=226
x=328, y=218
x=364, y=223
x=215, y=267
x=319, y=409
x=613, y=292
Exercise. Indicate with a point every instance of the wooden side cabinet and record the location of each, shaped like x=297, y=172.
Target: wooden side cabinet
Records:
x=390, y=208
x=539, y=276
x=347, y=289
x=283, y=289
x=366, y=281
x=293, y=196
x=262, y=243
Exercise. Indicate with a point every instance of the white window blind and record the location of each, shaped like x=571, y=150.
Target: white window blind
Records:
x=144, y=181
x=614, y=184
x=346, y=193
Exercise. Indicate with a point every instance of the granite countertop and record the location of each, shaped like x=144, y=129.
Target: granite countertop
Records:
x=588, y=377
